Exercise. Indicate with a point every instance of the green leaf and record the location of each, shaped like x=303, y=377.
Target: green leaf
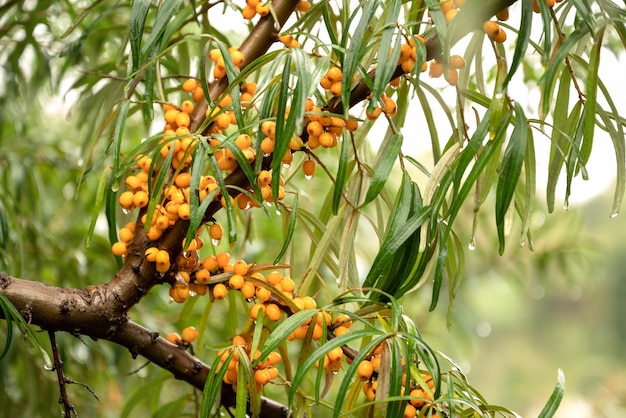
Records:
x=354, y=53
x=387, y=55
x=342, y=171
x=554, y=401
x=439, y=269
x=293, y=220
x=510, y=171
x=138, y=15
x=95, y=211
x=591, y=95
x=547, y=80
x=213, y=386
x=118, y=133
x=164, y=14
x=4, y=304
x=523, y=36
x=155, y=188
x=384, y=163
x=230, y=214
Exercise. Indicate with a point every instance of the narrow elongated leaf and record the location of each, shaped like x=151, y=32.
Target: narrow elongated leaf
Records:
x=230, y=214
x=386, y=158
x=387, y=54
x=554, y=401
x=521, y=44
x=547, y=80
x=439, y=270
x=293, y=220
x=118, y=133
x=95, y=211
x=138, y=14
x=591, y=95
x=510, y=171
x=164, y=14
x=342, y=174
x=353, y=54
x=619, y=147
x=213, y=386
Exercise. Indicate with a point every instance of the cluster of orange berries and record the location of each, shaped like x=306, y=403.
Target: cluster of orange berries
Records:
x=368, y=370
x=450, y=8
x=219, y=70
x=262, y=8
x=323, y=129
x=264, y=371
x=288, y=40
x=185, y=338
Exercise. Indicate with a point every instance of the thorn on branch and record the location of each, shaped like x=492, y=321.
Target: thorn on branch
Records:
x=68, y=408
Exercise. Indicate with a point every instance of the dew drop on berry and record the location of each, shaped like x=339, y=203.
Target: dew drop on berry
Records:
x=308, y=176
x=472, y=244
x=215, y=242
x=125, y=211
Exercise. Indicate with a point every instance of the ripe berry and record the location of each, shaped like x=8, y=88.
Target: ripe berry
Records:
x=173, y=338
x=220, y=291
x=254, y=310
x=241, y=267
x=126, y=200
x=189, y=334
x=309, y=168
x=272, y=311
x=365, y=370
x=236, y=281
x=119, y=249
x=189, y=85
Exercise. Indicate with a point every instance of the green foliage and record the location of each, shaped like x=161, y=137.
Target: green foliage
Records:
x=381, y=225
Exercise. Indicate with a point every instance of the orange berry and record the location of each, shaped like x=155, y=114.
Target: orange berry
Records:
x=446, y=5
x=222, y=121
x=450, y=14
x=436, y=69
x=248, y=12
x=303, y=6
x=241, y=267
x=151, y=254
x=262, y=376
x=171, y=115
x=409, y=411
x=503, y=14
x=339, y=331
x=184, y=211
x=198, y=93
x=183, y=180
x=187, y=107
x=119, y=249
x=248, y=290
x=210, y=263
x=335, y=355
x=452, y=77
x=500, y=37
x=220, y=291
x=125, y=234
x=263, y=9
x=334, y=74
x=216, y=232
x=236, y=281
x=126, y=200
x=457, y=62
x=173, y=338
x=418, y=393
x=239, y=340
x=203, y=275
x=390, y=106
x=373, y=114
x=309, y=168
x=189, y=334
x=344, y=320
x=491, y=28
x=223, y=259
x=189, y=85
x=272, y=311
x=365, y=370
x=254, y=310
x=263, y=294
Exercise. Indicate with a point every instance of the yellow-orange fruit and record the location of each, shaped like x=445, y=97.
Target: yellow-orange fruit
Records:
x=452, y=77
x=262, y=376
x=189, y=85
x=272, y=311
x=451, y=14
x=223, y=258
x=339, y=331
x=151, y=254
x=503, y=14
x=418, y=393
x=436, y=69
x=263, y=9
x=409, y=411
x=126, y=200
x=202, y=276
x=303, y=6
x=210, y=263
x=248, y=290
x=336, y=354
x=119, y=249
x=173, y=338
x=220, y=291
x=457, y=62
x=500, y=37
x=216, y=232
x=254, y=310
x=171, y=115
x=187, y=107
x=125, y=234
x=390, y=106
x=236, y=281
x=373, y=114
x=189, y=334
x=241, y=267
x=491, y=28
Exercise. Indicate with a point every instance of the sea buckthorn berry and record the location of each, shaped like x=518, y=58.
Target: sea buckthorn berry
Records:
x=248, y=290
x=409, y=411
x=327, y=140
x=309, y=168
x=343, y=320
x=339, y=331
x=220, y=291
x=267, y=146
x=183, y=180
x=274, y=278
x=262, y=376
x=303, y=6
x=126, y=200
x=452, y=77
x=372, y=115
x=216, y=232
x=254, y=310
x=236, y=281
x=133, y=183
x=491, y=28
x=179, y=292
x=264, y=178
x=223, y=259
x=503, y=14
x=450, y=14
x=119, y=249
x=171, y=115
x=189, y=85
x=500, y=37
x=198, y=93
x=198, y=288
x=352, y=124
x=408, y=65
x=184, y=211
x=446, y=5
x=457, y=62
x=241, y=267
x=272, y=311
x=262, y=294
x=237, y=57
x=210, y=263
x=248, y=12
x=418, y=393
x=436, y=69
x=202, y=276
x=187, y=107
x=239, y=340
x=125, y=234
x=263, y=9
x=336, y=354
x=390, y=106
x=173, y=338
x=151, y=254
x=189, y=334
x=141, y=199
